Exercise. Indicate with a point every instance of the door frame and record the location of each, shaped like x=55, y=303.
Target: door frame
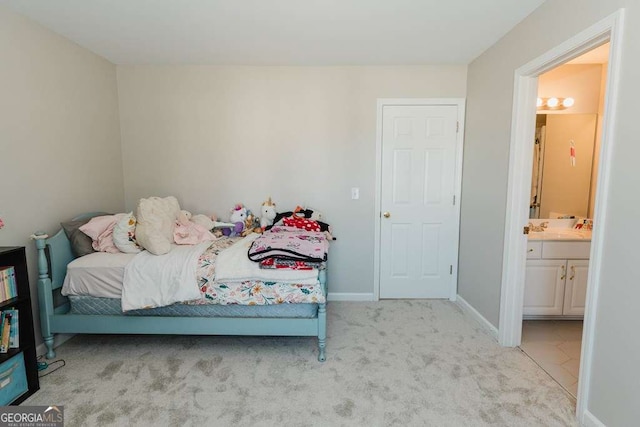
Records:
x=382, y=102
x=519, y=181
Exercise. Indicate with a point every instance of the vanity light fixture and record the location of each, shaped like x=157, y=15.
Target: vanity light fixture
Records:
x=554, y=103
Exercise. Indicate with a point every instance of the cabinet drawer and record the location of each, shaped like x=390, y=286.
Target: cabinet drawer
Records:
x=534, y=250
x=13, y=379
x=570, y=250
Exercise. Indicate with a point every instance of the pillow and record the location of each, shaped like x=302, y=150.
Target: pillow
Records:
x=81, y=244
x=100, y=229
x=124, y=234
x=97, y=225
x=156, y=219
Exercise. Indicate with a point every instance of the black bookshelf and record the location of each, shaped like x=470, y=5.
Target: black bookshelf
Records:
x=15, y=256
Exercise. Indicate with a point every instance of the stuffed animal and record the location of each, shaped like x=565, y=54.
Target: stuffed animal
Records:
x=203, y=221
x=251, y=225
x=267, y=214
x=188, y=232
x=210, y=222
x=238, y=217
x=183, y=217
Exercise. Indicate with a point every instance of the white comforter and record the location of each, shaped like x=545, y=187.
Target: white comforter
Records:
x=160, y=280
x=234, y=265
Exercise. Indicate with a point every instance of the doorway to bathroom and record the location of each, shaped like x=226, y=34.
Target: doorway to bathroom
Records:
x=519, y=190
x=567, y=139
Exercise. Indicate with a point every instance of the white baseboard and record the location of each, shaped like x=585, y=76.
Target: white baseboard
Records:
x=590, y=420
x=345, y=296
x=58, y=340
x=477, y=316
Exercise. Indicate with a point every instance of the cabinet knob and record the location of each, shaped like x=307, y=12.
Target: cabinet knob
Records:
x=531, y=250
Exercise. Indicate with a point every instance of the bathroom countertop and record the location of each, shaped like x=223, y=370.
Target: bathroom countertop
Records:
x=562, y=234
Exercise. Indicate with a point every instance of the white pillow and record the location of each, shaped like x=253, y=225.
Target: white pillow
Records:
x=156, y=219
x=124, y=235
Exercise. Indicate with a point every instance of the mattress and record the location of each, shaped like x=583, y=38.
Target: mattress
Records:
x=112, y=307
x=98, y=274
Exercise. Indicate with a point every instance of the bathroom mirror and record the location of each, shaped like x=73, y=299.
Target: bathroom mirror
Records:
x=563, y=172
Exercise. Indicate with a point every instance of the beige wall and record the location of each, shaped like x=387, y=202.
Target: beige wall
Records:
x=215, y=136
x=578, y=81
x=60, y=137
x=615, y=387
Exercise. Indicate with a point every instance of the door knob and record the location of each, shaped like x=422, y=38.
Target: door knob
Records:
x=386, y=214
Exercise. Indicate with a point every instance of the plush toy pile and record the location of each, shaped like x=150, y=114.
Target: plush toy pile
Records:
x=159, y=222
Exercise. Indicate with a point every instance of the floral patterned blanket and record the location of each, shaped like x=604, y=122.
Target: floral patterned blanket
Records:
x=248, y=292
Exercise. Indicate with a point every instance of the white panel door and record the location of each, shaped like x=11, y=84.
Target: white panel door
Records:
x=575, y=292
x=418, y=218
x=544, y=287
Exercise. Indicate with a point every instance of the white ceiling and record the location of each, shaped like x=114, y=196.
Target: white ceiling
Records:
x=281, y=32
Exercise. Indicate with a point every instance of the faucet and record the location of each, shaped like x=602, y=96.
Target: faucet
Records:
x=543, y=226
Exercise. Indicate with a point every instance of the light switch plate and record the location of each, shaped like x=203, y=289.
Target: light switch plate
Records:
x=355, y=193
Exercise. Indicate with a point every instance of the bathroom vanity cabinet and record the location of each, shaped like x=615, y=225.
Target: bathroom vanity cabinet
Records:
x=556, y=278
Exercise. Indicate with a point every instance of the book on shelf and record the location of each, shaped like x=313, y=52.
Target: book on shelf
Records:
x=8, y=284
x=9, y=330
x=14, y=332
x=6, y=332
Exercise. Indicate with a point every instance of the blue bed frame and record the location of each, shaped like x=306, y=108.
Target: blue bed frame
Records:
x=55, y=252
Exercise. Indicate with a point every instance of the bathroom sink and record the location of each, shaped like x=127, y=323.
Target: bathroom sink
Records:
x=560, y=234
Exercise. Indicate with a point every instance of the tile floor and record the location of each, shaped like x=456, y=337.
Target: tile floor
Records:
x=555, y=346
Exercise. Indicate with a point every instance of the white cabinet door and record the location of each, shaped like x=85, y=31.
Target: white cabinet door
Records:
x=575, y=293
x=544, y=287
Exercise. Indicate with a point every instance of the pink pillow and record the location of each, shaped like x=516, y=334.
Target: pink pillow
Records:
x=100, y=229
x=96, y=226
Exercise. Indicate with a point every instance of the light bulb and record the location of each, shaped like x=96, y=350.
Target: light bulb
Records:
x=539, y=102
x=552, y=102
x=568, y=102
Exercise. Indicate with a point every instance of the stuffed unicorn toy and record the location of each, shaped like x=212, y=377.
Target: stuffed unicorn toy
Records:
x=238, y=217
x=267, y=213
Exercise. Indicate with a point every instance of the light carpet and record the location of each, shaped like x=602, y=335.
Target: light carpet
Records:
x=389, y=363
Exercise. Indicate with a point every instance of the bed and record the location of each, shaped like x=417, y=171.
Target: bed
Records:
x=100, y=315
